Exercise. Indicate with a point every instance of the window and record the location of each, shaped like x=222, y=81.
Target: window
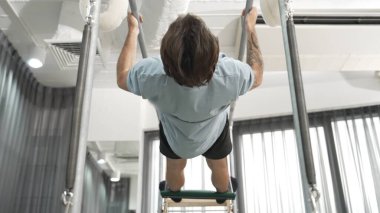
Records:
x=358, y=151
x=272, y=172
x=346, y=153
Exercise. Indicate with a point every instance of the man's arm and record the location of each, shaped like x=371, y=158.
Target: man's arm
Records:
x=254, y=57
x=128, y=53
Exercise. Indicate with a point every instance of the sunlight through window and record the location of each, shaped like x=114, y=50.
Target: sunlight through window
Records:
x=357, y=142
x=273, y=178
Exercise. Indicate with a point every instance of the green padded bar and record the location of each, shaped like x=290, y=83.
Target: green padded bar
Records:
x=198, y=194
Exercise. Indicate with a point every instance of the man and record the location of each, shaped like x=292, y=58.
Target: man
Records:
x=191, y=86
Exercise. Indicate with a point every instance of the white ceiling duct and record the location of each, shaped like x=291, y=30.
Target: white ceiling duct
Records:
x=111, y=18
x=158, y=14
x=271, y=13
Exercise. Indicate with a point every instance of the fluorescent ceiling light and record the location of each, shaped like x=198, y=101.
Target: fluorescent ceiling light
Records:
x=101, y=161
x=37, y=57
x=101, y=158
x=35, y=63
x=115, y=177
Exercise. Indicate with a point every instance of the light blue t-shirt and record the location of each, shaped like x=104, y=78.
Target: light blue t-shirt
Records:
x=192, y=118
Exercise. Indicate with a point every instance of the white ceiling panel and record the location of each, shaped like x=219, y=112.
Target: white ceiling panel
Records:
x=40, y=17
x=327, y=39
x=336, y=4
x=321, y=47
x=4, y=20
x=361, y=62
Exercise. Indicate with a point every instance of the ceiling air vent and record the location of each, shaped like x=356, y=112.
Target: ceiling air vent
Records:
x=67, y=54
x=73, y=47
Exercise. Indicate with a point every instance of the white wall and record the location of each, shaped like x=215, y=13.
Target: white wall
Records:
x=323, y=91
x=115, y=115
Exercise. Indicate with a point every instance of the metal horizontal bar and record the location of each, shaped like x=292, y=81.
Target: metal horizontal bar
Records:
x=198, y=194
x=332, y=20
x=193, y=211
x=198, y=203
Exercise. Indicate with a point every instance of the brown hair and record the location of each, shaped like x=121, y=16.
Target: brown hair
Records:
x=189, y=51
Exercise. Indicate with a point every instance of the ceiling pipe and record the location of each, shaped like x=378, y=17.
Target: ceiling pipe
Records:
x=112, y=17
x=158, y=15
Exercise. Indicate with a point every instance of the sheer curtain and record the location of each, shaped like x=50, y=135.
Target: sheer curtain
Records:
x=34, y=137
x=346, y=152
x=272, y=176
x=357, y=136
x=271, y=172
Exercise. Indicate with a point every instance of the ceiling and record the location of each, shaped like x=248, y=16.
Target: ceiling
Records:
x=119, y=155
x=328, y=48
x=322, y=48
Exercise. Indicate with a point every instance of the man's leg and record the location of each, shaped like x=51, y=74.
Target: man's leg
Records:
x=219, y=175
x=175, y=177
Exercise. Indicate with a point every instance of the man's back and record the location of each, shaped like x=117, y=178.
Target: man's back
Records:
x=192, y=117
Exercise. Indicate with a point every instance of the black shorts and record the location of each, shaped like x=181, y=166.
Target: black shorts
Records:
x=220, y=149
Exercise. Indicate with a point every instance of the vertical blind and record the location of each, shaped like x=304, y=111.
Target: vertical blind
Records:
x=34, y=137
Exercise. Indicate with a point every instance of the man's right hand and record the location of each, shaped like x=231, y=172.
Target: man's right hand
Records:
x=254, y=57
x=250, y=19
x=133, y=24
x=127, y=56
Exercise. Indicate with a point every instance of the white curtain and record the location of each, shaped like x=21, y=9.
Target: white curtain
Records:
x=357, y=140
x=272, y=172
x=346, y=153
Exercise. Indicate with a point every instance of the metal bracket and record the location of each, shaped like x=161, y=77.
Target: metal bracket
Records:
x=67, y=197
x=90, y=12
x=314, y=195
x=289, y=9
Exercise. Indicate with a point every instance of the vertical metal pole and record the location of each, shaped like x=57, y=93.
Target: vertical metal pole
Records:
x=237, y=155
x=340, y=204
x=147, y=145
x=133, y=5
x=242, y=48
x=301, y=121
x=243, y=39
x=75, y=127
x=145, y=155
x=160, y=176
x=81, y=112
